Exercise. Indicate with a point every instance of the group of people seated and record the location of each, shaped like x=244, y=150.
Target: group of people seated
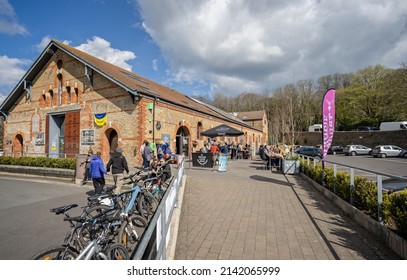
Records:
x=160, y=169
x=272, y=155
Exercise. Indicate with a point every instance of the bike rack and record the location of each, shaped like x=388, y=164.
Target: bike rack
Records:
x=153, y=244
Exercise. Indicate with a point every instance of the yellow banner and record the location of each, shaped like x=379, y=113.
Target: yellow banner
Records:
x=100, y=119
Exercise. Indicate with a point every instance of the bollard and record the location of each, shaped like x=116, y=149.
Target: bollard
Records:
x=352, y=184
x=379, y=198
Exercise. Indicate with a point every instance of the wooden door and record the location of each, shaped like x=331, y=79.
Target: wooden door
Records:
x=72, y=133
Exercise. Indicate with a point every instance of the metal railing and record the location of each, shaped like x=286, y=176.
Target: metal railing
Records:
x=153, y=244
x=379, y=178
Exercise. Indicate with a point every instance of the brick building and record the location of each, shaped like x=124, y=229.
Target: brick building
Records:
x=69, y=102
x=257, y=119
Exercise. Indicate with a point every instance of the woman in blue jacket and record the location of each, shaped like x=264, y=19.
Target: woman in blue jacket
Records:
x=97, y=173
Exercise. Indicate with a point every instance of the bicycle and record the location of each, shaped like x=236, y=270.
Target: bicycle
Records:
x=72, y=242
x=146, y=203
x=103, y=246
x=75, y=246
x=131, y=227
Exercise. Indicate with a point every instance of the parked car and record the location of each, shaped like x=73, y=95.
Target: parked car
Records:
x=354, y=150
x=333, y=150
x=388, y=151
x=366, y=128
x=387, y=126
x=309, y=151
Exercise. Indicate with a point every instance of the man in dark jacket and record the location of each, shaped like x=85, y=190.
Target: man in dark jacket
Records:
x=118, y=163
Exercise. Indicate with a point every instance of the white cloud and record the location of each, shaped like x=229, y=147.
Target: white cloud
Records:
x=102, y=49
x=155, y=64
x=252, y=45
x=45, y=41
x=11, y=71
x=8, y=20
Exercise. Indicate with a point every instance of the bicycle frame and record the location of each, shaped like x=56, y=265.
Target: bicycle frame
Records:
x=92, y=249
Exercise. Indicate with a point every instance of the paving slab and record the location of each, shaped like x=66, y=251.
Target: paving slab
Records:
x=251, y=213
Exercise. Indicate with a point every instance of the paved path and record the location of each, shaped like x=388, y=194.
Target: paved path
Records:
x=251, y=213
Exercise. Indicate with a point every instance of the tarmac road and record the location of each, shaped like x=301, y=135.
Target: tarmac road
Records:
x=26, y=223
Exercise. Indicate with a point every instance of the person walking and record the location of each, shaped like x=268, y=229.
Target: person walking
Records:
x=118, y=163
x=97, y=172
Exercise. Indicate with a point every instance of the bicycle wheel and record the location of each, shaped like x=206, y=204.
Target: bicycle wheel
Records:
x=117, y=252
x=131, y=231
x=56, y=253
x=88, y=230
x=147, y=204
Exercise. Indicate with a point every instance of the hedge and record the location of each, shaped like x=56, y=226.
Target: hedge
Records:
x=364, y=194
x=63, y=163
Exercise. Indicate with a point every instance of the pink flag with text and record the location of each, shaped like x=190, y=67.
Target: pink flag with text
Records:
x=328, y=120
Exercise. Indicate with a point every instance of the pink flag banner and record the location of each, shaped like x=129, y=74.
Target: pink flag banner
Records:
x=328, y=120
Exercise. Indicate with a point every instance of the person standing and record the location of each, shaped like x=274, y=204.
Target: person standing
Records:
x=233, y=151
x=97, y=172
x=142, y=153
x=146, y=155
x=87, y=161
x=214, y=151
x=224, y=149
x=160, y=150
x=118, y=163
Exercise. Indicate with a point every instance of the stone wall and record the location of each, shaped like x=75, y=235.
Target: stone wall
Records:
x=343, y=138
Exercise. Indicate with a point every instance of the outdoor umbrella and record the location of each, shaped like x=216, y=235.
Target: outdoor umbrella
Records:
x=222, y=130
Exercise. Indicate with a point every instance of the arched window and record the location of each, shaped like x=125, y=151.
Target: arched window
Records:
x=68, y=90
x=59, y=75
x=51, y=95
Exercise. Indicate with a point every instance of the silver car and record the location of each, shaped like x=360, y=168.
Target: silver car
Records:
x=354, y=150
x=386, y=151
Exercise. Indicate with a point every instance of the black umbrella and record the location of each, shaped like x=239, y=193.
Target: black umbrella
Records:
x=222, y=130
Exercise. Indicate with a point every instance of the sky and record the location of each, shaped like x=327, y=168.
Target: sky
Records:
x=203, y=47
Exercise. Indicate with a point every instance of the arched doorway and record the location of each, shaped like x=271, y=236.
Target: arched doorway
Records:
x=182, y=141
x=18, y=145
x=112, y=137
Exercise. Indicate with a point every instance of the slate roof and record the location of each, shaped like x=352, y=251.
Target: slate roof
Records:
x=133, y=83
x=251, y=116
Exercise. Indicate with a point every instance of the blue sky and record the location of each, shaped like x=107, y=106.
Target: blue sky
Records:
x=201, y=47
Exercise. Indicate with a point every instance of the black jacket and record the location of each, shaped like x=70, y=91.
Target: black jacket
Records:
x=118, y=163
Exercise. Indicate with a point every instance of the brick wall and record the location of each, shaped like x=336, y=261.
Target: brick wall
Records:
x=128, y=117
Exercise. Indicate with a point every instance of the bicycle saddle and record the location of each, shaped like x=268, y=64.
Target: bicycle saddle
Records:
x=63, y=209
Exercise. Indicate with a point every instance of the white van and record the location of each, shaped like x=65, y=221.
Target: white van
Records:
x=386, y=126
x=315, y=127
